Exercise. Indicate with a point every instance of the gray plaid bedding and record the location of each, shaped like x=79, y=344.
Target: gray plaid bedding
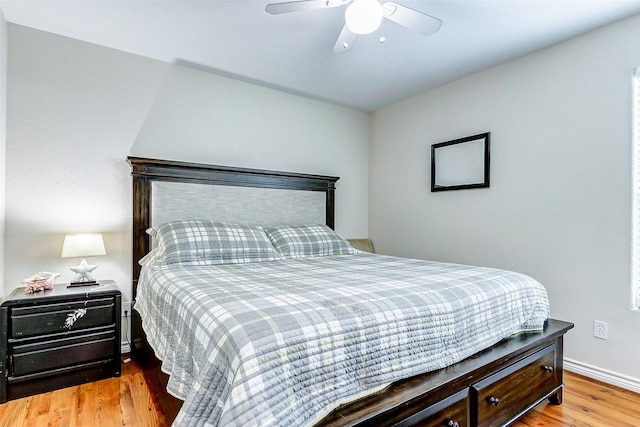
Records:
x=282, y=343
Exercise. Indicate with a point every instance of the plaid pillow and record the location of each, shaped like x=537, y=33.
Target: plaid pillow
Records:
x=307, y=240
x=201, y=242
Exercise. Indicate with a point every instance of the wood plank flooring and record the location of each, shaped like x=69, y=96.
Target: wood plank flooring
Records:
x=127, y=401
x=587, y=403
x=123, y=401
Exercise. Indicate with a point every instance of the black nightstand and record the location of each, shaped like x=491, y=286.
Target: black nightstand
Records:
x=59, y=338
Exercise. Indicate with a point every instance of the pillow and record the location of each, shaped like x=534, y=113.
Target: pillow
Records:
x=296, y=241
x=201, y=242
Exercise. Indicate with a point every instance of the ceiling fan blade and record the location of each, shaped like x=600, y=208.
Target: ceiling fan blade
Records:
x=345, y=40
x=300, y=5
x=411, y=19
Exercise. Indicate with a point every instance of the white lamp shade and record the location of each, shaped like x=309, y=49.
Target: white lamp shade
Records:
x=363, y=16
x=83, y=245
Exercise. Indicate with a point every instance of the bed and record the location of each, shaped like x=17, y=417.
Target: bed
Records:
x=425, y=373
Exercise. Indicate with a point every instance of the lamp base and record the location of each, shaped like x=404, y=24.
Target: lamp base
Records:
x=85, y=283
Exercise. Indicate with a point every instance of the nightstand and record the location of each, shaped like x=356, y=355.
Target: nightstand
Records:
x=59, y=338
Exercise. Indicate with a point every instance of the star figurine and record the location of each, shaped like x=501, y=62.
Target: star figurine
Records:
x=83, y=271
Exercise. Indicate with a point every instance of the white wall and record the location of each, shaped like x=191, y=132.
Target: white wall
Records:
x=77, y=110
x=558, y=207
x=201, y=118
x=3, y=133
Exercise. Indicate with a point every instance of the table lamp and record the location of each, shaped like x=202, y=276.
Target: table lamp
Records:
x=81, y=246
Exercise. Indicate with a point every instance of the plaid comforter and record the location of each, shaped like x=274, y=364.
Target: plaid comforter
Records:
x=282, y=343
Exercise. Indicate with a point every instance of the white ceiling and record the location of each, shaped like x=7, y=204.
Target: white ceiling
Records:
x=293, y=52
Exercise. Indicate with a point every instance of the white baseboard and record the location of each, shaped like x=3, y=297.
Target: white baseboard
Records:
x=603, y=375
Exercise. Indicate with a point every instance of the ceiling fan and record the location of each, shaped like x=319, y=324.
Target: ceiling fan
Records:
x=363, y=17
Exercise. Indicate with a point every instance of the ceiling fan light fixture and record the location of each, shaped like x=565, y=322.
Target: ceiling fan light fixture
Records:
x=363, y=16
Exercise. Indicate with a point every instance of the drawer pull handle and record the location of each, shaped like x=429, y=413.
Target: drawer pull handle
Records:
x=493, y=400
x=73, y=317
x=452, y=423
x=548, y=368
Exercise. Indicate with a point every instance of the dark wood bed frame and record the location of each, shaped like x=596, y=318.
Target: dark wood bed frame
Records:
x=493, y=387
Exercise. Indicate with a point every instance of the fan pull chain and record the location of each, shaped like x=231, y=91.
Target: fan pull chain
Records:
x=382, y=37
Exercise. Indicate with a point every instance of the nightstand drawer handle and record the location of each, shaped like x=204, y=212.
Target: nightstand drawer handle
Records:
x=548, y=368
x=452, y=423
x=74, y=316
x=493, y=400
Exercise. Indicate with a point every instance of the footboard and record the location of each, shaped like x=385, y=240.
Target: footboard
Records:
x=492, y=388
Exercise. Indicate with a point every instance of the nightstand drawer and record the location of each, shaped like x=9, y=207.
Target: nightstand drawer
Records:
x=49, y=318
x=56, y=353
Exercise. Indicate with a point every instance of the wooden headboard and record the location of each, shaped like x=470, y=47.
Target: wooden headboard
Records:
x=149, y=172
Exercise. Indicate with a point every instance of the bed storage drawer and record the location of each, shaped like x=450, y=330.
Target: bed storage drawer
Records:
x=48, y=318
x=506, y=394
x=452, y=412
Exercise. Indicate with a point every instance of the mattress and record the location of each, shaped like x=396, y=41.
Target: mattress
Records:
x=282, y=343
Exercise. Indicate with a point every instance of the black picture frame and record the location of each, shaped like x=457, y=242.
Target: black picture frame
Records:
x=461, y=164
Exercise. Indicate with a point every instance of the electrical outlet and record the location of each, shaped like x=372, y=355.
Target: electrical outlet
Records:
x=126, y=308
x=600, y=329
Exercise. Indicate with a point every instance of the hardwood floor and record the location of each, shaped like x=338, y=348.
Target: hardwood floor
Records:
x=126, y=401
x=587, y=403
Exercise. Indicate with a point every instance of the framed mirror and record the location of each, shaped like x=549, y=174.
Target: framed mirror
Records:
x=460, y=164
